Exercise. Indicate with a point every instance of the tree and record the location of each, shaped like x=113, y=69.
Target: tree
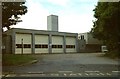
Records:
x=11, y=12
x=107, y=25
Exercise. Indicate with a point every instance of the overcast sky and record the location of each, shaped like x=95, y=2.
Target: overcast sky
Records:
x=74, y=15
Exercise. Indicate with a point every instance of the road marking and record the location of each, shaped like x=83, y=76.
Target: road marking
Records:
x=65, y=74
x=108, y=73
x=116, y=71
x=35, y=72
x=65, y=71
x=24, y=75
x=54, y=74
x=10, y=75
x=86, y=74
x=79, y=74
x=92, y=71
x=91, y=74
x=31, y=75
x=73, y=74
x=97, y=74
x=3, y=76
x=102, y=74
x=42, y=74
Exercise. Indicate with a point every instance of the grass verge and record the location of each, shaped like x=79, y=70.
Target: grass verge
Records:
x=15, y=60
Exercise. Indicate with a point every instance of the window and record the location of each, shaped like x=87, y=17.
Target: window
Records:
x=38, y=46
x=24, y=46
x=41, y=46
x=44, y=46
x=82, y=37
x=56, y=46
x=70, y=46
x=59, y=46
x=18, y=45
x=67, y=46
x=27, y=46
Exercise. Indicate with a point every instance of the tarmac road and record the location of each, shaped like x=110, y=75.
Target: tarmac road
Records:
x=78, y=64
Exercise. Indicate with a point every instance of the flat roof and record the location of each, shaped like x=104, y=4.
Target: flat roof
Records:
x=21, y=30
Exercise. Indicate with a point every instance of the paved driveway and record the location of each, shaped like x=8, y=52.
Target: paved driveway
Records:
x=79, y=64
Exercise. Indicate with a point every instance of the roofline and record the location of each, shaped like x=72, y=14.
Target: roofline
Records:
x=40, y=30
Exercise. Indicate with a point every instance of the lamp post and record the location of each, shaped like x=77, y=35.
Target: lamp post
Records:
x=22, y=46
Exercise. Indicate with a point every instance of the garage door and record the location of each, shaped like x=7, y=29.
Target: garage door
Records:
x=23, y=44
x=70, y=44
x=57, y=44
x=41, y=43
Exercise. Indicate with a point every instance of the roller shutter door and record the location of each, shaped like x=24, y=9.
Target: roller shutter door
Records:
x=70, y=44
x=41, y=43
x=57, y=44
x=25, y=46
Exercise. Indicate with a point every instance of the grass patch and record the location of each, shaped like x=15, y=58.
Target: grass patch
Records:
x=15, y=60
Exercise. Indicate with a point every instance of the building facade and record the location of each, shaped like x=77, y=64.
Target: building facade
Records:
x=88, y=44
x=27, y=41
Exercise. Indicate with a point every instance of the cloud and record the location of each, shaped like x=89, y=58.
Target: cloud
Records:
x=59, y=2
x=75, y=23
x=35, y=18
x=74, y=16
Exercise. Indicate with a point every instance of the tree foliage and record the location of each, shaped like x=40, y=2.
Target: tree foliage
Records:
x=107, y=24
x=11, y=12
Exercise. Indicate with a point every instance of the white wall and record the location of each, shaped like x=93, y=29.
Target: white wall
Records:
x=89, y=38
x=85, y=37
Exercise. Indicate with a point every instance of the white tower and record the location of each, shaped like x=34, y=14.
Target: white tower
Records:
x=52, y=23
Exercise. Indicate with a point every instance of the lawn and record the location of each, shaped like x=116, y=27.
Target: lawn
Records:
x=15, y=60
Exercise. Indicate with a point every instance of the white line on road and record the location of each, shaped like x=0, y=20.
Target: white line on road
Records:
x=108, y=73
x=65, y=74
x=92, y=71
x=102, y=74
x=24, y=75
x=10, y=75
x=116, y=71
x=98, y=74
x=73, y=74
x=65, y=71
x=35, y=72
x=91, y=74
x=54, y=74
x=79, y=74
x=86, y=74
